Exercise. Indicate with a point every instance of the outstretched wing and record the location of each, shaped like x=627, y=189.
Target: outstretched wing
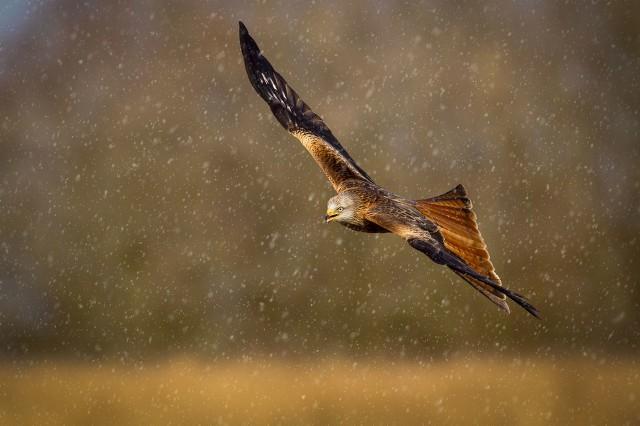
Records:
x=441, y=255
x=296, y=116
x=423, y=235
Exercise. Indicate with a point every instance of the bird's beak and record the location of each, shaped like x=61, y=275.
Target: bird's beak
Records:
x=329, y=216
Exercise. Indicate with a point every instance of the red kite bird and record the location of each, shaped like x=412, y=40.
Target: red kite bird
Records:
x=443, y=227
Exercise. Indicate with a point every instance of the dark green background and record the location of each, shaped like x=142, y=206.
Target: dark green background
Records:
x=151, y=205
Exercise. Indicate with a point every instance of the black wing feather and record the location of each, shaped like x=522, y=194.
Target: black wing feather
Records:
x=444, y=257
x=288, y=108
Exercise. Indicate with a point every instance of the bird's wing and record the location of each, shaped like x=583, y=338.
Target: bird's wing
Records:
x=296, y=116
x=424, y=235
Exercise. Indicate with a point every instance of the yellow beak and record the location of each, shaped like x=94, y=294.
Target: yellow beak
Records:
x=330, y=215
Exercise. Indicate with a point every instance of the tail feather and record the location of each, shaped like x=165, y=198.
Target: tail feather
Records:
x=452, y=213
x=487, y=291
x=487, y=286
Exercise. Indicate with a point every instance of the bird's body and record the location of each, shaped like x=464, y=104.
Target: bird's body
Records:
x=443, y=227
x=371, y=199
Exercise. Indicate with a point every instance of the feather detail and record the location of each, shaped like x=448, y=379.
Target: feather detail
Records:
x=452, y=213
x=297, y=117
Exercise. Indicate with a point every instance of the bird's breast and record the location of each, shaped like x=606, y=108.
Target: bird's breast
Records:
x=366, y=226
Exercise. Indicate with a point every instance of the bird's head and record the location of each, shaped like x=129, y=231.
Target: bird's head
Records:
x=342, y=208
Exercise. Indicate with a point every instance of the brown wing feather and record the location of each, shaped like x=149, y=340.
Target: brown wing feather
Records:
x=400, y=217
x=330, y=160
x=297, y=117
x=452, y=213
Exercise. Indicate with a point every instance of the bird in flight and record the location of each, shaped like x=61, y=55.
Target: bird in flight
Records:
x=443, y=227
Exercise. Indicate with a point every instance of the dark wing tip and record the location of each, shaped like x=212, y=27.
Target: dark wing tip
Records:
x=444, y=257
x=254, y=62
x=290, y=111
x=247, y=43
x=267, y=82
x=523, y=302
x=245, y=38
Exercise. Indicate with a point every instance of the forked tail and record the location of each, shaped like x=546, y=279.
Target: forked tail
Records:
x=452, y=213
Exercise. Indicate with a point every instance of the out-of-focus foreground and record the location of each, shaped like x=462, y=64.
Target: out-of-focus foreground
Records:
x=472, y=391
x=151, y=208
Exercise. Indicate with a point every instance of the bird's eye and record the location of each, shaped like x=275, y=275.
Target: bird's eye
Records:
x=340, y=209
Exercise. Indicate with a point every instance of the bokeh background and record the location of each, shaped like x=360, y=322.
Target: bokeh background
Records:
x=162, y=253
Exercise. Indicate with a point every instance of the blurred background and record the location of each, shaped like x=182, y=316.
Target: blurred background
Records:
x=162, y=252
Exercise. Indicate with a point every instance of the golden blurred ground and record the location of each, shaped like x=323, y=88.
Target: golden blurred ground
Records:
x=522, y=392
